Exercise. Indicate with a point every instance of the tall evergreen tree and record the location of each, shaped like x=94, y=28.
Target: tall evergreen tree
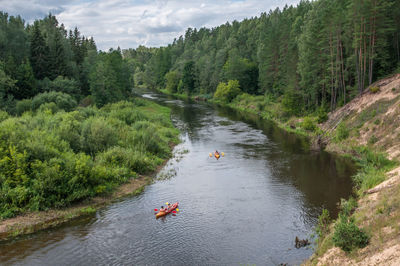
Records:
x=39, y=53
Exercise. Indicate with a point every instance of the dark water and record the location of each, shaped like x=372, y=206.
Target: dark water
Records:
x=245, y=208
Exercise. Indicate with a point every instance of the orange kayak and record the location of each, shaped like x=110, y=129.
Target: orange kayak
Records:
x=170, y=209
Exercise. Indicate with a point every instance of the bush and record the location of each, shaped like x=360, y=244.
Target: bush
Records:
x=66, y=85
x=374, y=89
x=172, y=81
x=342, y=132
x=98, y=135
x=227, y=91
x=372, y=140
x=308, y=124
x=324, y=221
x=348, y=236
x=87, y=101
x=291, y=103
x=23, y=106
x=62, y=100
x=322, y=115
x=3, y=115
x=373, y=168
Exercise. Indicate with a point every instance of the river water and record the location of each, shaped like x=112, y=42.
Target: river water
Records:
x=243, y=209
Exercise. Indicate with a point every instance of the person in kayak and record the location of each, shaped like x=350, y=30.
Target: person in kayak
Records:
x=162, y=209
x=216, y=154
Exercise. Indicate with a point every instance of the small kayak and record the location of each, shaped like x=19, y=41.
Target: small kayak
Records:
x=216, y=155
x=170, y=209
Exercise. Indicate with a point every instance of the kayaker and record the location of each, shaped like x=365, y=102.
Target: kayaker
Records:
x=162, y=209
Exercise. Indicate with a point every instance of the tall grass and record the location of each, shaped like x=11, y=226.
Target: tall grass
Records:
x=373, y=166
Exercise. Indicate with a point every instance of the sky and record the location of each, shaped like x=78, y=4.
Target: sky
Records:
x=130, y=23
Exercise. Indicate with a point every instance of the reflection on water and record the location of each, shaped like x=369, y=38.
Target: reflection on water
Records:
x=245, y=208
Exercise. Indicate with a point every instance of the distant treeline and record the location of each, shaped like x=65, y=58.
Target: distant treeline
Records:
x=44, y=57
x=320, y=53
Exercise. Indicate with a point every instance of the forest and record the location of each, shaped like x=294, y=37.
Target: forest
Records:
x=70, y=128
x=315, y=56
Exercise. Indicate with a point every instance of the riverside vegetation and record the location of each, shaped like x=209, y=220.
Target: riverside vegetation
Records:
x=69, y=128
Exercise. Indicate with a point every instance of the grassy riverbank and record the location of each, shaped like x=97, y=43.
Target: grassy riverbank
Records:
x=52, y=159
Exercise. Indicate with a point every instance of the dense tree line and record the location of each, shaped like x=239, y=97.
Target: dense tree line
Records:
x=320, y=53
x=45, y=57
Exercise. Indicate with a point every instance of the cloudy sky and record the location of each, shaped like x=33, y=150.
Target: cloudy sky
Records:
x=129, y=23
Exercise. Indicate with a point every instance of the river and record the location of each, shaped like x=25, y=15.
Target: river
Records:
x=245, y=208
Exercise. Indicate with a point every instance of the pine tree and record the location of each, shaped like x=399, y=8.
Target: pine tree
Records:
x=39, y=53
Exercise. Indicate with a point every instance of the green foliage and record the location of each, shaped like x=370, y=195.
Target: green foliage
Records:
x=324, y=221
x=188, y=77
x=308, y=124
x=374, y=89
x=372, y=140
x=227, y=91
x=98, y=134
x=373, y=166
x=172, y=81
x=347, y=207
x=3, y=115
x=243, y=70
x=348, y=236
x=291, y=103
x=61, y=100
x=65, y=85
x=322, y=115
x=342, y=132
x=52, y=159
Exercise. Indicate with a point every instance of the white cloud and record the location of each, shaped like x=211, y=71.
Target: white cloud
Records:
x=129, y=23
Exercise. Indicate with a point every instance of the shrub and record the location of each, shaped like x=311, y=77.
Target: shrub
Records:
x=322, y=115
x=348, y=236
x=342, y=132
x=23, y=106
x=62, y=100
x=373, y=167
x=65, y=85
x=97, y=135
x=52, y=107
x=324, y=221
x=227, y=91
x=347, y=207
x=372, y=140
x=308, y=124
x=87, y=101
x=134, y=160
x=291, y=103
x=3, y=115
x=374, y=89
x=172, y=81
